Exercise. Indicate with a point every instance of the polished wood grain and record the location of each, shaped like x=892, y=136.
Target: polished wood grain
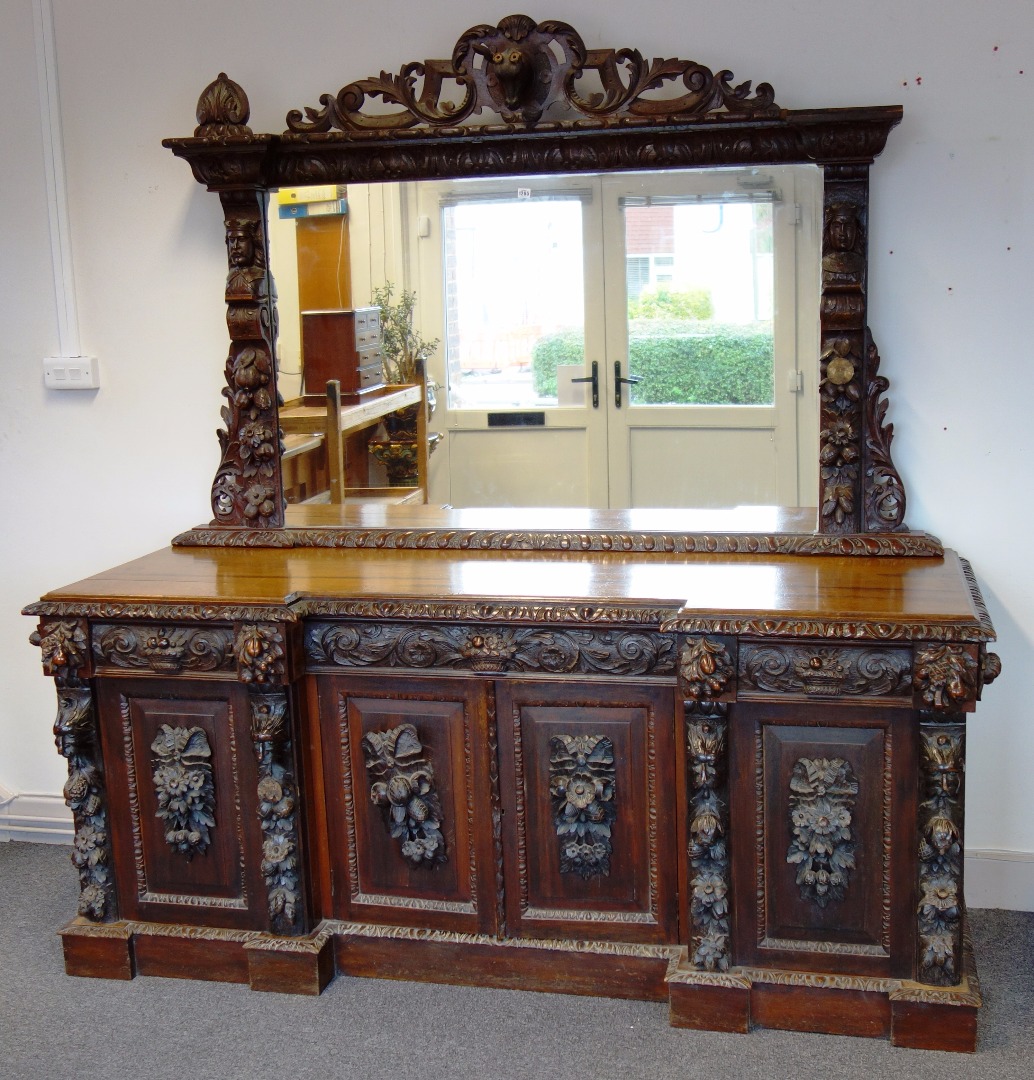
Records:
x=879, y=591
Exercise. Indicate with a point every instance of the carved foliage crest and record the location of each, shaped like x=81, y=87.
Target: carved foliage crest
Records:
x=525, y=72
x=822, y=797
x=403, y=785
x=581, y=783
x=184, y=787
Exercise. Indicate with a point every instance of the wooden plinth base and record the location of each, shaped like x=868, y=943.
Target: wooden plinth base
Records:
x=909, y=1014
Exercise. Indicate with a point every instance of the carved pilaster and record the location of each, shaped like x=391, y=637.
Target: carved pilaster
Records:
x=581, y=783
x=941, y=903
x=278, y=811
x=66, y=658
x=402, y=783
x=706, y=728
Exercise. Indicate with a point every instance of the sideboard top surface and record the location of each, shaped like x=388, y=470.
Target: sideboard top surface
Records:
x=879, y=597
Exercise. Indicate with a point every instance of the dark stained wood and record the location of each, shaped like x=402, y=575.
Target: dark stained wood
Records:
x=631, y=973
x=306, y=972
x=826, y=1010
x=176, y=956
x=710, y=1008
x=107, y=955
x=926, y=1026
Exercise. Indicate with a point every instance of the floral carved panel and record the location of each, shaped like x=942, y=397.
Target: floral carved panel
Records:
x=403, y=785
x=581, y=783
x=184, y=788
x=822, y=797
x=825, y=671
x=165, y=650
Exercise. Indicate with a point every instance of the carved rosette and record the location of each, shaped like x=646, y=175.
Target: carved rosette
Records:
x=183, y=785
x=825, y=671
x=75, y=732
x=163, y=649
x=277, y=811
x=581, y=784
x=939, y=923
x=945, y=677
x=525, y=71
x=822, y=797
x=706, y=728
x=705, y=669
x=402, y=783
x=488, y=648
x=260, y=652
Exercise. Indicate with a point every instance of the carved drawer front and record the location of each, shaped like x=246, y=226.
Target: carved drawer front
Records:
x=823, y=827
x=182, y=779
x=589, y=797
x=813, y=671
x=411, y=791
x=163, y=649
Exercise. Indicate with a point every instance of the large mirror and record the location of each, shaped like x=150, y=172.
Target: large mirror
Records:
x=557, y=208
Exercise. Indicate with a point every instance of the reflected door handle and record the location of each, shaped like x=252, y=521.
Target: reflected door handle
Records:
x=594, y=378
x=618, y=380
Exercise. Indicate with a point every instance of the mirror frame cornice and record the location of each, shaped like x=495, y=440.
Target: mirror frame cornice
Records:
x=641, y=115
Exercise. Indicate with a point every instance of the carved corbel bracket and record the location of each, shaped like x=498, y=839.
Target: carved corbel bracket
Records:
x=707, y=669
x=277, y=795
x=945, y=678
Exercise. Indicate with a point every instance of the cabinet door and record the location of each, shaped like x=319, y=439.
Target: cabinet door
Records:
x=588, y=780
x=182, y=775
x=410, y=801
x=823, y=837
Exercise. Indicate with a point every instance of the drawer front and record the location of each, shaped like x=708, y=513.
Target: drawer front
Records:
x=817, y=671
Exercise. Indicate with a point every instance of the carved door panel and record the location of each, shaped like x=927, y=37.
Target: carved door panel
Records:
x=823, y=833
x=589, y=819
x=182, y=777
x=411, y=796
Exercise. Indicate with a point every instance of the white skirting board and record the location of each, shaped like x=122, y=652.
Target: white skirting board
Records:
x=994, y=879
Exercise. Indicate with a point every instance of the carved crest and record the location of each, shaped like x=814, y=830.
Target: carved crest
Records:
x=526, y=72
x=581, y=782
x=183, y=784
x=822, y=797
x=403, y=785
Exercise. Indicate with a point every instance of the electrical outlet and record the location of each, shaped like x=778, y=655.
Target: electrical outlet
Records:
x=71, y=373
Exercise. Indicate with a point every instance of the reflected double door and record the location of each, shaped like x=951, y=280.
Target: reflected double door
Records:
x=619, y=341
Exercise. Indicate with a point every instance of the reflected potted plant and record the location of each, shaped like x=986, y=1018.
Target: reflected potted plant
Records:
x=402, y=347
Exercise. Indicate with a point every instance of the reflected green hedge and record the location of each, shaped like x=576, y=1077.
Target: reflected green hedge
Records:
x=681, y=361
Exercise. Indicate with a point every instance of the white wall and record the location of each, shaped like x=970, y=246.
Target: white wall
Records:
x=92, y=479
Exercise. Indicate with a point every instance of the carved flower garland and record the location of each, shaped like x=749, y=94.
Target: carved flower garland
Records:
x=183, y=785
x=581, y=783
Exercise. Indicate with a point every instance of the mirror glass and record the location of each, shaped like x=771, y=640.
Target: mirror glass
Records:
x=692, y=296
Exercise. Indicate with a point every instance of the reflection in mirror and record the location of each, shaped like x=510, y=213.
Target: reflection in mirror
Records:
x=630, y=340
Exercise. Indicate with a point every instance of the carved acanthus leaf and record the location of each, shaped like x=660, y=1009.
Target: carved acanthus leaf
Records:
x=222, y=109
x=163, y=649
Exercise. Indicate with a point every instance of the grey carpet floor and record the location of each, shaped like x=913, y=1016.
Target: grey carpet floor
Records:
x=56, y=1027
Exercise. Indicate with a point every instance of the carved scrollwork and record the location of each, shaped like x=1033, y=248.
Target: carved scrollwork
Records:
x=945, y=676
x=822, y=797
x=490, y=648
x=277, y=810
x=523, y=72
x=706, y=728
x=825, y=671
x=182, y=778
x=705, y=669
x=940, y=852
x=259, y=650
x=581, y=783
x=163, y=649
x=75, y=732
x=403, y=785
x=884, y=491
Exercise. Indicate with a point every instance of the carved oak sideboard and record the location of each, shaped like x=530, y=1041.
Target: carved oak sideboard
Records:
x=286, y=763
x=714, y=760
